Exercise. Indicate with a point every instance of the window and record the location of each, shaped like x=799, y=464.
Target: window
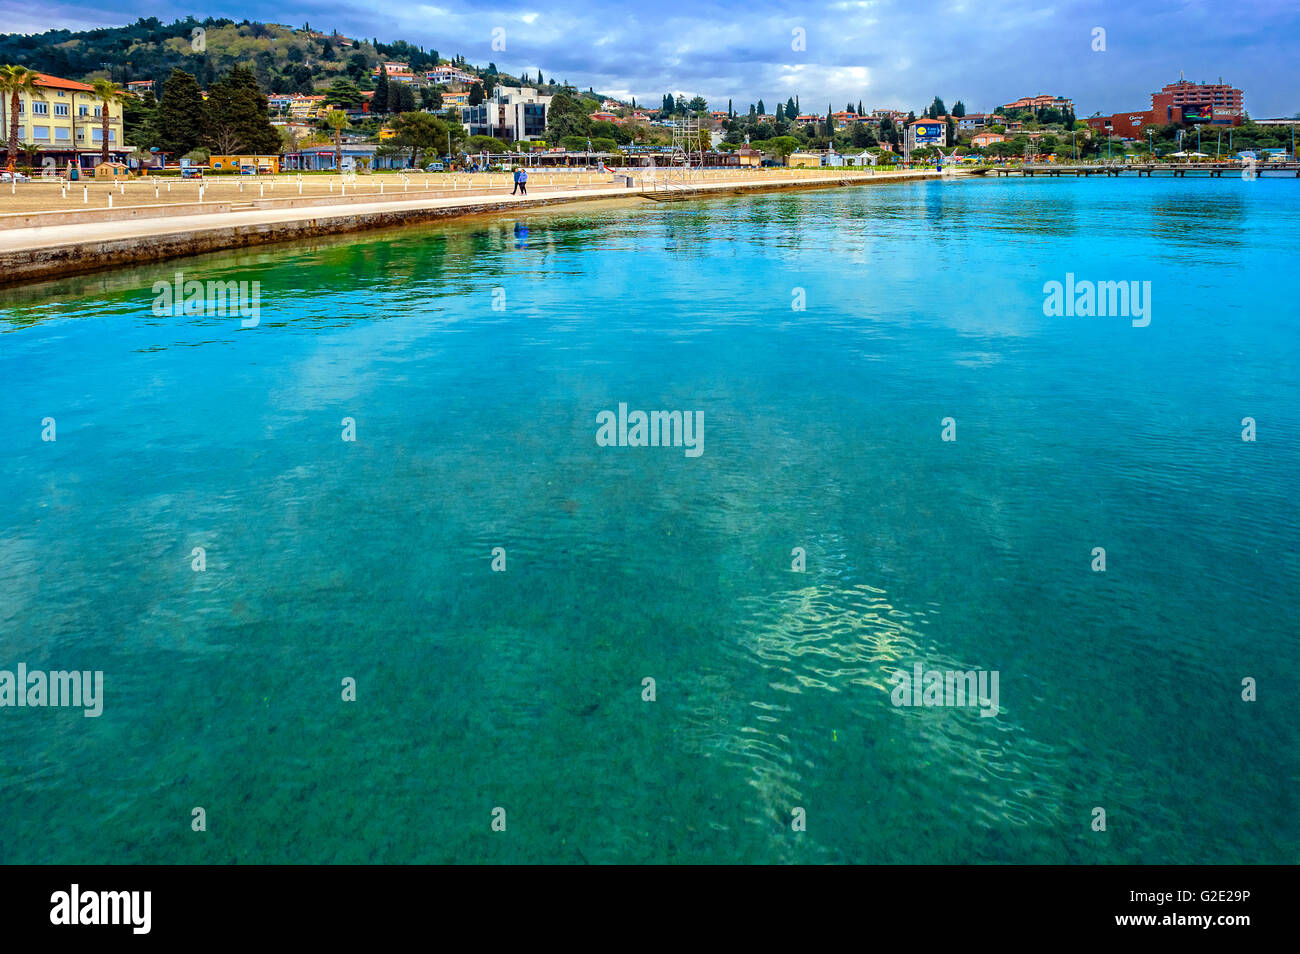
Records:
x=40, y=109
x=40, y=132
x=83, y=110
x=60, y=109
x=61, y=134
x=97, y=135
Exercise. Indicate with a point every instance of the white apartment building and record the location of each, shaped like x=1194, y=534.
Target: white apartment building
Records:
x=512, y=113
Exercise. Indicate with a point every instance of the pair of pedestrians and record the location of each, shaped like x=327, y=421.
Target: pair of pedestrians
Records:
x=521, y=182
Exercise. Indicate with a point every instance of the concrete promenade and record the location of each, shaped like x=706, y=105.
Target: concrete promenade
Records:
x=88, y=240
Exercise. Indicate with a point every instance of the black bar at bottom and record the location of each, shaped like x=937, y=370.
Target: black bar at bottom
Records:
x=336, y=903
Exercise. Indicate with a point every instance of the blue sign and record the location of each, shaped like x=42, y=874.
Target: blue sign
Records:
x=928, y=132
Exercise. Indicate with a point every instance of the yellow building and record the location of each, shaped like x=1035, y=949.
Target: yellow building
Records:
x=805, y=160
x=307, y=107
x=63, y=119
x=258, y=165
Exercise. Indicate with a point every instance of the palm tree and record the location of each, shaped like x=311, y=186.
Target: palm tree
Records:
x=15, y=80
x=337, y=120
x=107, y=92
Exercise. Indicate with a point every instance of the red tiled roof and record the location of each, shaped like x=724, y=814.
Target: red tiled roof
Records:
x=58, y=82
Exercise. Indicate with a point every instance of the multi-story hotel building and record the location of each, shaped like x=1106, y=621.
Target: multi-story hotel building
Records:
x=63, y=118
x=1217, y=104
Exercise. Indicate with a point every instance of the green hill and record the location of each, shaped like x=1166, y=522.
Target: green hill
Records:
x=284, y=59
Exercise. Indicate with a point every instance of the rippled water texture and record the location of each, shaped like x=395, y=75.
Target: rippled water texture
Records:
x=476, y=429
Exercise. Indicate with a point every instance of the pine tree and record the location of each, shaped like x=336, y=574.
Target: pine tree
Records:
x=860, y=112
x=791, y=112
x=180, y=114
x=762, y=111
x=235, y=116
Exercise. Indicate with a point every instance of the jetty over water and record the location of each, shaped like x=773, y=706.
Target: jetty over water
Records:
x=1212, y=170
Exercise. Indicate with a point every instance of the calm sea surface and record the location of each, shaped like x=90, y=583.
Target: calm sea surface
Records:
x=476, y=428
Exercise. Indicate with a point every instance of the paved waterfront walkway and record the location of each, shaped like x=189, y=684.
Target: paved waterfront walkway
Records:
x=38, y=252
x=59, y=235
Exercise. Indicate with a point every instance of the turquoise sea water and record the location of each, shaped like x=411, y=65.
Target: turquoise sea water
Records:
x=476, y=428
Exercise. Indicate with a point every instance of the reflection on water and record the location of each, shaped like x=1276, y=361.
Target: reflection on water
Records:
x=476, y=430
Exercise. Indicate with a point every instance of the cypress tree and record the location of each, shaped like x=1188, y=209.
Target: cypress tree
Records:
x=379, y=103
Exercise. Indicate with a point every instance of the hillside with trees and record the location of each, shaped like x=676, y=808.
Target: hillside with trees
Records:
x=283, y=59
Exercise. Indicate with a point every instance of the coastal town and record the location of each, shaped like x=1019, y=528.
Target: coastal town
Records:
x=367, y=107
x=360, y=517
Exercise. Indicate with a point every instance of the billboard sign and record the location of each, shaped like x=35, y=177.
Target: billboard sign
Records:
x=928, y=133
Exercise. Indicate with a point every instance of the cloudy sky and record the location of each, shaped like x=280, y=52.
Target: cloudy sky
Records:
x=882, y=52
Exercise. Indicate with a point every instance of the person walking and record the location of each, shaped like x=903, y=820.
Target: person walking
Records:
x=523, y=181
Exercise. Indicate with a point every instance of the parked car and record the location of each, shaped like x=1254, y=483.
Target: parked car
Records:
x=434, y=167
